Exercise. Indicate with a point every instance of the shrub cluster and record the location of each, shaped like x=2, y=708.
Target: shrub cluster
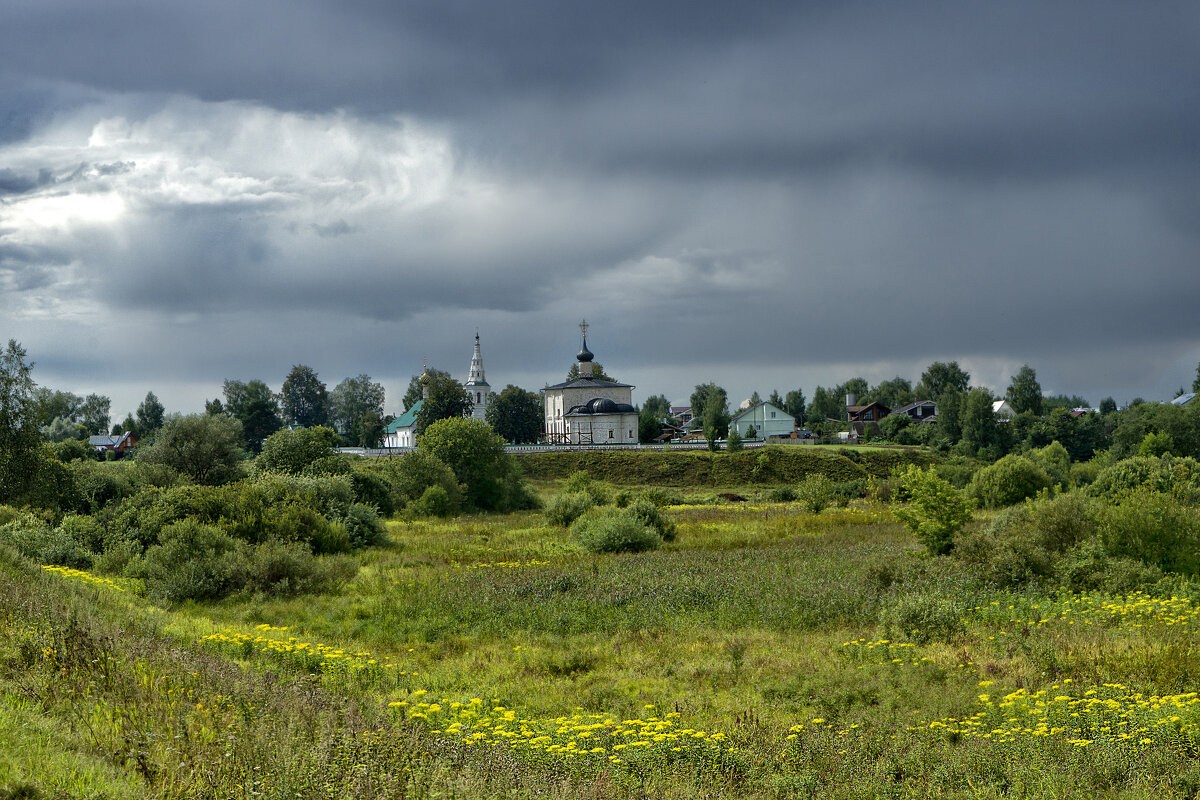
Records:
x=614, y=530
x=1010, y=480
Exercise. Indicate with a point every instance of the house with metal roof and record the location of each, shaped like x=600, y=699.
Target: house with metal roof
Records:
x=765, y=419
x=401, y=432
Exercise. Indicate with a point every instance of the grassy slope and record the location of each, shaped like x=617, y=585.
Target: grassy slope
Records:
x=740, y=628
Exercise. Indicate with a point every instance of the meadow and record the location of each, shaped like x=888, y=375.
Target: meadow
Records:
x=766, y=652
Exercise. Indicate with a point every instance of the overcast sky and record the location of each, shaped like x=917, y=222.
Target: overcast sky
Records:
x=765, y=195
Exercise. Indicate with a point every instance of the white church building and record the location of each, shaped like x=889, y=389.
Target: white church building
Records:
x=590, y=410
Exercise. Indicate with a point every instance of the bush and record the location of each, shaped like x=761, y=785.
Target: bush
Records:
x=1010, y=480
x=1156, y=444
x=566, y=508
x=363, y=526
x=782, y=494
x=476, y=455
x=192, y=562
x=1055, y=460
x=661, y=497
x=614, y=531
x=37, y=541
x=733, y=443
x=922, y=618
x=294, y=450
x=413, y=473
x=287, y=568
x=814, y=493
x=582, y=482
x=1152, y=527
x=205, y=447
x=652, y=517
x=936, y=510
x=434, y=502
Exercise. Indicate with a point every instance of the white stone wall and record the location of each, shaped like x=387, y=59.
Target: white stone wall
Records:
x=560, y=401
x=604, y=428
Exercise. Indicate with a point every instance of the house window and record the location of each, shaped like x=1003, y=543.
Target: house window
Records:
x=772, y=415
x=869, y=415
x=610, y=433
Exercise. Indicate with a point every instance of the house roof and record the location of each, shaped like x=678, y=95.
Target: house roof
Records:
x=589, y=383
x=913, y=405
x=756, y=406
x=407, y=419
x=1184, y=399
x=112, y=441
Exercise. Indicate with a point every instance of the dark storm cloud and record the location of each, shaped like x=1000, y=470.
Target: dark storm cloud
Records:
x=855, y=185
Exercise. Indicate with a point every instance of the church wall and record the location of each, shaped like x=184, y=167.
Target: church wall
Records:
x=604, y=428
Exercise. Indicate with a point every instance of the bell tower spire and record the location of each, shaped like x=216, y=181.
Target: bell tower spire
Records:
x=476, y=384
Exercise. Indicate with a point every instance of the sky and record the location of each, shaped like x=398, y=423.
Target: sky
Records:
x=769, y=195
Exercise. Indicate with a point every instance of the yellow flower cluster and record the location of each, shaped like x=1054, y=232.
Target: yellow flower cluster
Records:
x=883, y=651
x=502, y=564
x=85, y=576
x=1136, y=610
x=311, y=656
x=587, y=738
x=1111, y=712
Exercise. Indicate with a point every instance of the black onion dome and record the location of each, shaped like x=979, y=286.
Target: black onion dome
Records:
x=585, y=355
x=602, y=405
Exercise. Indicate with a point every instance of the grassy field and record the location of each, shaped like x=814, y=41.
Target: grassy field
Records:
x=767, y=652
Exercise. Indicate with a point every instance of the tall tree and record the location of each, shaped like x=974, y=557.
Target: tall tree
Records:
x=413, y=393
x=1196, y=381
x=254, y=405
x=793, y=404
x=149, y=415
x=214, y=407
x=941, y=377
x=447, y=400
x=304, y=400
x=650, y=417
x=894, y=394
x=597, y=372
x=855, y=386
x=205, y=447
x=827, y=404
x=950, y=408
x=979, y=431
x=1025, y=393
x=710, y=405
x=516, y=415
x=52, y=404
x=19, y=435
x=93, y=414
x=358, y=410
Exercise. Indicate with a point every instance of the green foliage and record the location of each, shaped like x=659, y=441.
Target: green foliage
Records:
x=363, y=525
x=650, y=515
x=435, y=501
x=582, y=482
x=661, y=497
x=37, y=541
x=1152, y=527
x=72, y=450
x=782, y=494
x=935, y=510
x=357, y=410
x=979, y=429
x=1025, y=393
x=734, y=443
x=614, y=530
x=411, y=476
x=942, y=377
x=19, y=437
x=1179, y=477
x=476, y=455
x=206, y=448
x=567, y=507
x=1010, y=480
x=304, y=400
x=447, y=400
x=515, y=415
x=254, y=405
x=923, y=618
x=1056, y=461
x=293, y=451
x=710, y=405
x=814, y=493
x=1156, y=444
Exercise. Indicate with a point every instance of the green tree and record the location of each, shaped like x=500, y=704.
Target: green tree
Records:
x=94, y=414
x=205, y=447
x=53, y=404
x=935, y=510
x=1025, y=393
x=793, y=404
x=358, y=410
x=20, y=439
x=597, y=372
x=710, y=405
x=827, y=404
x=650, y=417
x=941, y=377
x=855, y=386
x=447, y=400
x=150, y=415
x=950, y=408
x=253, y=404
x=214, y=406
x=1108, y=406
x=476, y=455
x=413, y=393
x=304, y=400
x=894, y=394
x=292, y=450
x=1196, y=380
x=776, y=400
x=516, y=415
x=978, y=421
